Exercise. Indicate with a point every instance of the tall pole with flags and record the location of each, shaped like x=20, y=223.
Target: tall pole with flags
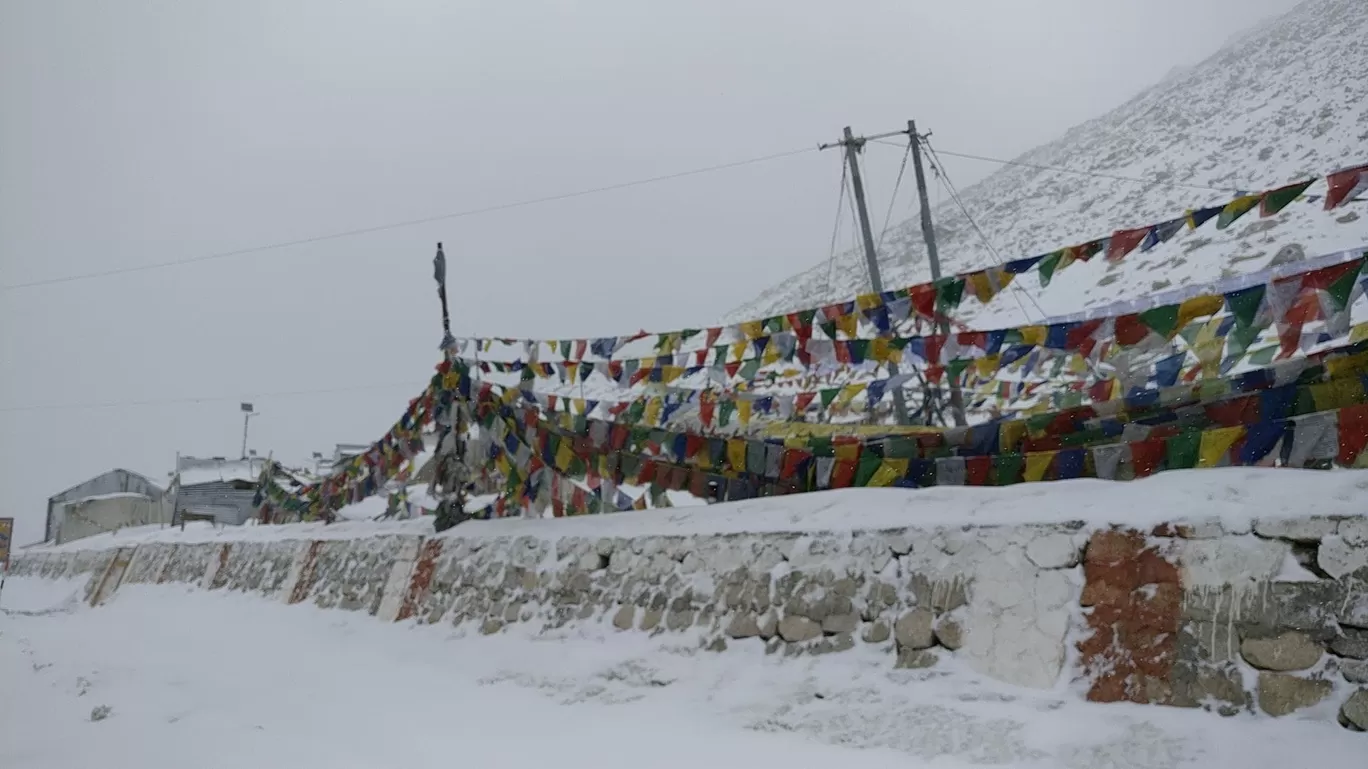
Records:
x=451, y=471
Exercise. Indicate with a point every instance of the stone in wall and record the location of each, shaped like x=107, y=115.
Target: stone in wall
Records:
x=1282, y=694
x=1286, y=651
x=1354, y=712
x=1135, y=606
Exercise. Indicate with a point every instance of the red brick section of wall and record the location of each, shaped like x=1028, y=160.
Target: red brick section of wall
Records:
x=300, y=591
x=220, y=574
x=422, y=577
x=1134, y=603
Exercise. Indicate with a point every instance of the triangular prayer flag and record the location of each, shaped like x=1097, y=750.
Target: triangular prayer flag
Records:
x=1048, y=265
x=1280, y=198
x=1125, y=241
x=1201, y=216
x=1244, y=304
x=1344, y=185
x=1235, y=209
x=1161, y=320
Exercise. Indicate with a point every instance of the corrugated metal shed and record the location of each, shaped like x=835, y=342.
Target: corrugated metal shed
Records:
x=117, y=481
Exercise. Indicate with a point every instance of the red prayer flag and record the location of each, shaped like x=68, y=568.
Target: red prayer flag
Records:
x=1353, y=433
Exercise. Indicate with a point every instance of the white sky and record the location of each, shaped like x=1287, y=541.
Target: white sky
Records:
x=136, y=132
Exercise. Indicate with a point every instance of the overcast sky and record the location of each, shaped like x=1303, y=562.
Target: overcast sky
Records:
x=135, y=133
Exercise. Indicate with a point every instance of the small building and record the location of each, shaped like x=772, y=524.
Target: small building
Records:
x=107, y=502
x=221, y=488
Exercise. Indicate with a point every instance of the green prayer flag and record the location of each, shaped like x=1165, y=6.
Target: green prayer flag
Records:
x=1343, y=287
x=859, y=349
x=1276, y=200
x=1161, y=320
x=636, y=411
x=1240, y=338
x=869, y=464
x=949, y=293
x=755, y=457
x=1191, y=330
x=1047, y=267
x=955, y=368
x=1245, y=303
x=724, y=412
x=1180, y=451
x=1007, y=469
x=900, y=448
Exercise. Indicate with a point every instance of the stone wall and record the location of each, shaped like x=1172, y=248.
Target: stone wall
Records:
x=1269, y=617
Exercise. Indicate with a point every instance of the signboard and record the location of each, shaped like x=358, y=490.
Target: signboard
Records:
x=6, y=537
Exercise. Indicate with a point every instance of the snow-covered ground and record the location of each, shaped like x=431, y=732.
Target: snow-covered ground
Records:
x=164, y=678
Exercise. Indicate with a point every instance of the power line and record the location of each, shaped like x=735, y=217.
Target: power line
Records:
x=938, y=166
x=402, y=224
x=208, y=398
x=1061, y=169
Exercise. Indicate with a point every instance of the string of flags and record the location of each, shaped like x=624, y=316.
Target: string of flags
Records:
x=1296, y=410
x=935, y=301
x=1219, y=331
x=1308, y=409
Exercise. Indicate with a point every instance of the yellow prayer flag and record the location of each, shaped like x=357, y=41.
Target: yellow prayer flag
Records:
x=1010, y=433
x=1037, y=465
x=1216, y=443
x=982, y=287
x=1034, y=335
x=736, y=453
x=890, y=472
x=1199, y=307
x=987, y=365
x=879, y=350
x=652, y=412
x=565, y=456
x=849, y=392
x=1337, y=393
x=1209, y=352
x=1338, y=367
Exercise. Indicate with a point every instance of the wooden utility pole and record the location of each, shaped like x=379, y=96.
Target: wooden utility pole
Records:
x=853, y=146
x=933, y=258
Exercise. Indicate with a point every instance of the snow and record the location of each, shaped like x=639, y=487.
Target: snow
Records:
x=1234, y=496
x=1280, y=102
x=229, y=680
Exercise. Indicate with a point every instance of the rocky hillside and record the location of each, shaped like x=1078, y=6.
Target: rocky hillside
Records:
x=1286, y=100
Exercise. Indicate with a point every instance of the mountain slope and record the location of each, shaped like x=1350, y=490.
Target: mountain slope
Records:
x=1282, y=102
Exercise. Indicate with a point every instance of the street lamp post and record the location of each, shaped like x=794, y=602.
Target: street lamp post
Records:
x=247, y=414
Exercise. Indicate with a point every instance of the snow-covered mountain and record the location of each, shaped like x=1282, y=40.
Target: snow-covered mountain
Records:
x=1283, y=101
